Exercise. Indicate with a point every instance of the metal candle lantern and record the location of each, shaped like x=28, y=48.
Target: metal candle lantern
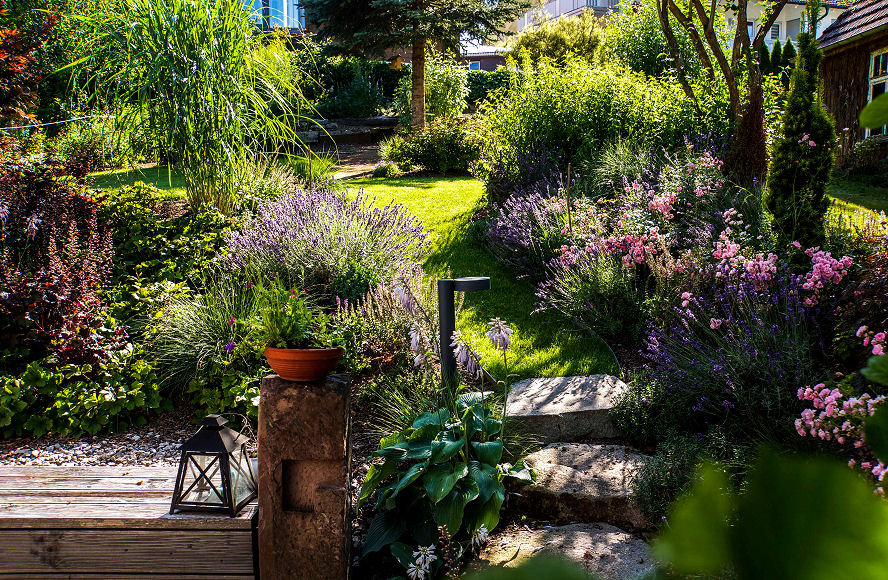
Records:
x=447, y=319
x=215, y=472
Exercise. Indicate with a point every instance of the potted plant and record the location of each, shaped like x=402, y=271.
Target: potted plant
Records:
x=299, y=345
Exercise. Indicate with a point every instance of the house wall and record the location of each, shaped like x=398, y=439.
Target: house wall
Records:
x=844, y=77
x=790, y=21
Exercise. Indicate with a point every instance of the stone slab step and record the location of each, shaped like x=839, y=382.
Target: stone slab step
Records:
x=604, y=550
x=578, y=482
x=565, y=408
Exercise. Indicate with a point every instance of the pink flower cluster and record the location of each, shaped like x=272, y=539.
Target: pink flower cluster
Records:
x=807, y=139
x=663, y=204
x=825, y=269
x=874, y=339
x=760, y=269
x=834, y=419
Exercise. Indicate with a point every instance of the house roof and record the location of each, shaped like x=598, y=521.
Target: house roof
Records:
x=861, y=18
x=469, y=51
x=830, y=3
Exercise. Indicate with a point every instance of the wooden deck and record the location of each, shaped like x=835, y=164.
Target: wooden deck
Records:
x=114, y=522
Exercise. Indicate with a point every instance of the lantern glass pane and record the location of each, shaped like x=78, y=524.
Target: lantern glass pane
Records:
x=242, y=481
x=203, y=480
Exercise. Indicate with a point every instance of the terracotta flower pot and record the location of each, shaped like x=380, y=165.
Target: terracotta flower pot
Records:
x=303, y=365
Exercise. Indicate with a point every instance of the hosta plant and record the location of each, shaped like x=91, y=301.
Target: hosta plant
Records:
x=447, y=473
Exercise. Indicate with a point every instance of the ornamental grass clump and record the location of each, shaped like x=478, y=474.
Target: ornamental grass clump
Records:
x=321, y=240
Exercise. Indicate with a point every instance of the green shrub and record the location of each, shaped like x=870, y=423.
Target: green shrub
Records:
x=666, y=475
x=597, y=294
x=444, y=146
x=387, y=170
x=261, y=180
x=561, y=37
x=635, y=39
x=353, y=282
x=149, y=248
x=568, y=113
x=446, y=86
x=483, y=84
x=620, y=160
x=802, y=160
x=73, y=400
x=314, y=169
x=358, y=98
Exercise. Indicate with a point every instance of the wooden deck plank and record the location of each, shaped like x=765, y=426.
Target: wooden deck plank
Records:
x=118, y=516
x=126, y=552
x=87, y=471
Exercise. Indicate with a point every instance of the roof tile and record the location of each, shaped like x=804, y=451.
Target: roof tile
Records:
x=861, y=17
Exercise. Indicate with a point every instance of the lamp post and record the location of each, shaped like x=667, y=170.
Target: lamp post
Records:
x=447, y=287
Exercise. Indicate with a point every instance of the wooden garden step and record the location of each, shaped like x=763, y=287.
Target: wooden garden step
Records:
x=114, y=522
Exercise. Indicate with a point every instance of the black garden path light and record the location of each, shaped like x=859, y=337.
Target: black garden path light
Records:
x=215, y=472
x=447, y=288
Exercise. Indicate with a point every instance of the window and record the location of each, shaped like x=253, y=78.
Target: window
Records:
x=775, y=32
x=878, y=78
x=749, y=28
x=475, y=65
x=793, y=28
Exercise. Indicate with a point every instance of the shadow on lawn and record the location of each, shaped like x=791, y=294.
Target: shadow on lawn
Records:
x=543, y=345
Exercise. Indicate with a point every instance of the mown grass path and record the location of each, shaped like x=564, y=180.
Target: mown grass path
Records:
x=542, y=346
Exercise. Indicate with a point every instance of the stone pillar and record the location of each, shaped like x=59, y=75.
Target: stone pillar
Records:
x=304, y=455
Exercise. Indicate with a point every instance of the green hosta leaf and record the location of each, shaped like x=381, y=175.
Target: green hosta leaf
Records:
x=439, y=479
x=447, y=447
x=487, y=479
x=436, y=418
x=801, y=518
x=392, y=439
x=485, y=513
x=875, y=114
x=696, y=541
x=876, y=432
x=419, y=449
x=411, y=475
x=492, y=426
x=520, y=471
x=449, y=511
x=402, y=553
x=374, y=477
x=877, y=368
x=489, y=452
x=425, y=433
x=385, y=528
x=398, y=451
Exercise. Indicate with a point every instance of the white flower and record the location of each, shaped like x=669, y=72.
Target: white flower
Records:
x=464, y=355
x=416, y=573
x=403, y=295
x=499, y=334
x=417, y=339
x=480, y=537
x=425, y=556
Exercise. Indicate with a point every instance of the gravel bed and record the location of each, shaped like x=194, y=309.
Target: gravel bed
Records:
x=156, y=443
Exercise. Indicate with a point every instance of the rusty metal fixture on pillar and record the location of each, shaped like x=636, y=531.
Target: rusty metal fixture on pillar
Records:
x=215, y=471
x=447, y=287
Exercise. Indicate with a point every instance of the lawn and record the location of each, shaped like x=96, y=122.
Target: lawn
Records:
x=851, y=195
x=541, y=345
x=169, y=181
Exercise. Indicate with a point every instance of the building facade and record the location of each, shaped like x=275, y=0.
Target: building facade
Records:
x=854, y=69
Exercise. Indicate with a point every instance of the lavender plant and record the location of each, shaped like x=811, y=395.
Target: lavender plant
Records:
x=313, y=237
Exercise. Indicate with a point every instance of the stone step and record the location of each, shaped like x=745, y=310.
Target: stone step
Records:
x=604, y=550
x=565, y=408
x=578, y=482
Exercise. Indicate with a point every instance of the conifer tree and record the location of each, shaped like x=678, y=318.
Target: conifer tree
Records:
x=777, y=63
x=369, y=27
x=802, y=159
x=764, y=59
x=789, y=58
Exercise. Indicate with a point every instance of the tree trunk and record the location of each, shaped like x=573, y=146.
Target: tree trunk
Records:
x=417, y=99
